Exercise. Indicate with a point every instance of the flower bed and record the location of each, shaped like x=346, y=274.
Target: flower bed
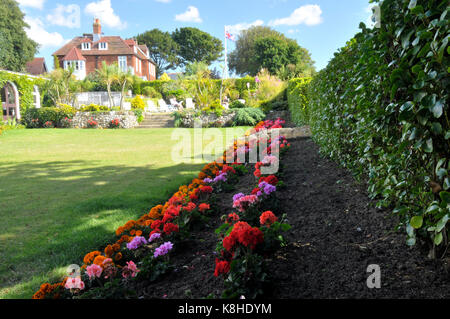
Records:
x=143, y=247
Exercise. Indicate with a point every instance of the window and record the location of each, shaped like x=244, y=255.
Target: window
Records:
x=85, y=46
x=103, y=46
x=123, y=63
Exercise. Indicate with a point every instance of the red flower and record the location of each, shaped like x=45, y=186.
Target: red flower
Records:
x=255, y=191
x=206, y=189
x=233, y=217
x=250, y=237
x=170, y=228
x=227, y=169
x=267, y=218
x=203, y=207
x=271, y=179
x=190, y=207
x=222, y=267
x=257, y=173
x=229, y=242
x=156, y=225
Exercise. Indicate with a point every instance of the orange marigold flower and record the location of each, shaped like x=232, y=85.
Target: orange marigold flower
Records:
x=90, y=257
x=139, y=233
x=118, y=256
x=99, y=260
x=109, y=251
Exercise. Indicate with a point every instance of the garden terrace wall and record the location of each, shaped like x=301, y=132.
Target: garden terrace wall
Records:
x=188, y=119
x=127, y=119
x=380, y=108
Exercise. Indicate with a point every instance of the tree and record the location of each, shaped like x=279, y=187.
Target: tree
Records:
x=108, y=75
x=241, y=60
x=16, y=49
x=197, y=46
x=125, y=80
x=262, y=47
x=163, y=49
x=61, y=86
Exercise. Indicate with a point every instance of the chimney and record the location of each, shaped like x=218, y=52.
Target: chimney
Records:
x=97, y=29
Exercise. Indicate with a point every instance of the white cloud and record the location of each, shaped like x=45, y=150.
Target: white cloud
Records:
x=292, y=31
x=65, y=16
x=309, y=15
x=237, y=28
x=40, y=35
x=370, y=23
x=38, y=4
x=103, y=10
x=191, y=15
x=163, y=1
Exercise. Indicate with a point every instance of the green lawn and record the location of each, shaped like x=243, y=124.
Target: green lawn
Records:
x=64, y=192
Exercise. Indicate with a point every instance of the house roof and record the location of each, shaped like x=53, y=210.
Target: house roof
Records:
x=37, y=66
x=74, y=55
x=116, y=46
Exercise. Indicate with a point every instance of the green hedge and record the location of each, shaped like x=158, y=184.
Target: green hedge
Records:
x=298, y=101
x=381, y=108
x=36, y=118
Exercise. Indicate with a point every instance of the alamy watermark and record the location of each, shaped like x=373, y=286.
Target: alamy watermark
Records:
x=207, y=145
x=374, y=279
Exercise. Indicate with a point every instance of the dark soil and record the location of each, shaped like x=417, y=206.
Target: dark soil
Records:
x=336, y=233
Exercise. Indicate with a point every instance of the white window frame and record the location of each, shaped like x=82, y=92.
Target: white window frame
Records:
x=103, y=46
x=85, y=46
x=123, y=63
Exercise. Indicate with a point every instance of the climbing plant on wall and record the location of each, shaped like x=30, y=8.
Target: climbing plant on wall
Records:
x=25, y=85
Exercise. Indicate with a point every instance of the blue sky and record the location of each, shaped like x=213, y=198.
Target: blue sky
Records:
x=321, y=26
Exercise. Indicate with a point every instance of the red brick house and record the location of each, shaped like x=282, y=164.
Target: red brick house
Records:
x=87, y=52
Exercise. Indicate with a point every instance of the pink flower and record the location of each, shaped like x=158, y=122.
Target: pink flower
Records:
x=94, y=271
x=130, y=270
x=74, y=283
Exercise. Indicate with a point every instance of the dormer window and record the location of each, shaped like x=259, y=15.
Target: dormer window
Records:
x=85, y=46
x=103, y=46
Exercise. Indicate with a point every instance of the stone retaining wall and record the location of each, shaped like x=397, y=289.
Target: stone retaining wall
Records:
x=127, y=119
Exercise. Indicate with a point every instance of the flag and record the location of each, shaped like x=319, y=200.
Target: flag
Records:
x=230, y=36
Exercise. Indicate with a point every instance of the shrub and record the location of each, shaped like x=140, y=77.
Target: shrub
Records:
x=137, y=103
x=139, y=115
x=248, y=116
x=35, y=118
x=380, y=108
x=237, y=105
x=92, y=123
x=94, y=108
x=114, y=123
x=151, y=92
x=297, y=100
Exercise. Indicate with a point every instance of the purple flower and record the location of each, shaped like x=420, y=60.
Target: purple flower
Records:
x=208, y=180
x=267, y=188
x=154, y=237
x=137, y=242
x=221, y=177
x=237, y=196
x=163, y=249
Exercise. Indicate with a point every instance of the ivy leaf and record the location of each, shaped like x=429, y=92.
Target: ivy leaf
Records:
x=445, y=196
x=416, y=222
x=441, y=224
x=412, y=4
x=438, y=239
x=428, y=148
x=436, y=128
x=437, y=109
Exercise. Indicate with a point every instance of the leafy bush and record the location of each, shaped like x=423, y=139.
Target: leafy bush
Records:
x=298, y=101
x=139, y=115
x=248, y=116
x=94, y=108
x=237, y=105
x=137, y=103
x=34, y=118
x=380, y=108
x=151, y=92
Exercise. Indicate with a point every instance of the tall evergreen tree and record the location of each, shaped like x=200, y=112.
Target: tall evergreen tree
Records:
x=16, y=49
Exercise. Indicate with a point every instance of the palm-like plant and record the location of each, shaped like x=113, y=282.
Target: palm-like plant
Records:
x=109, y=74
x=125, y=80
